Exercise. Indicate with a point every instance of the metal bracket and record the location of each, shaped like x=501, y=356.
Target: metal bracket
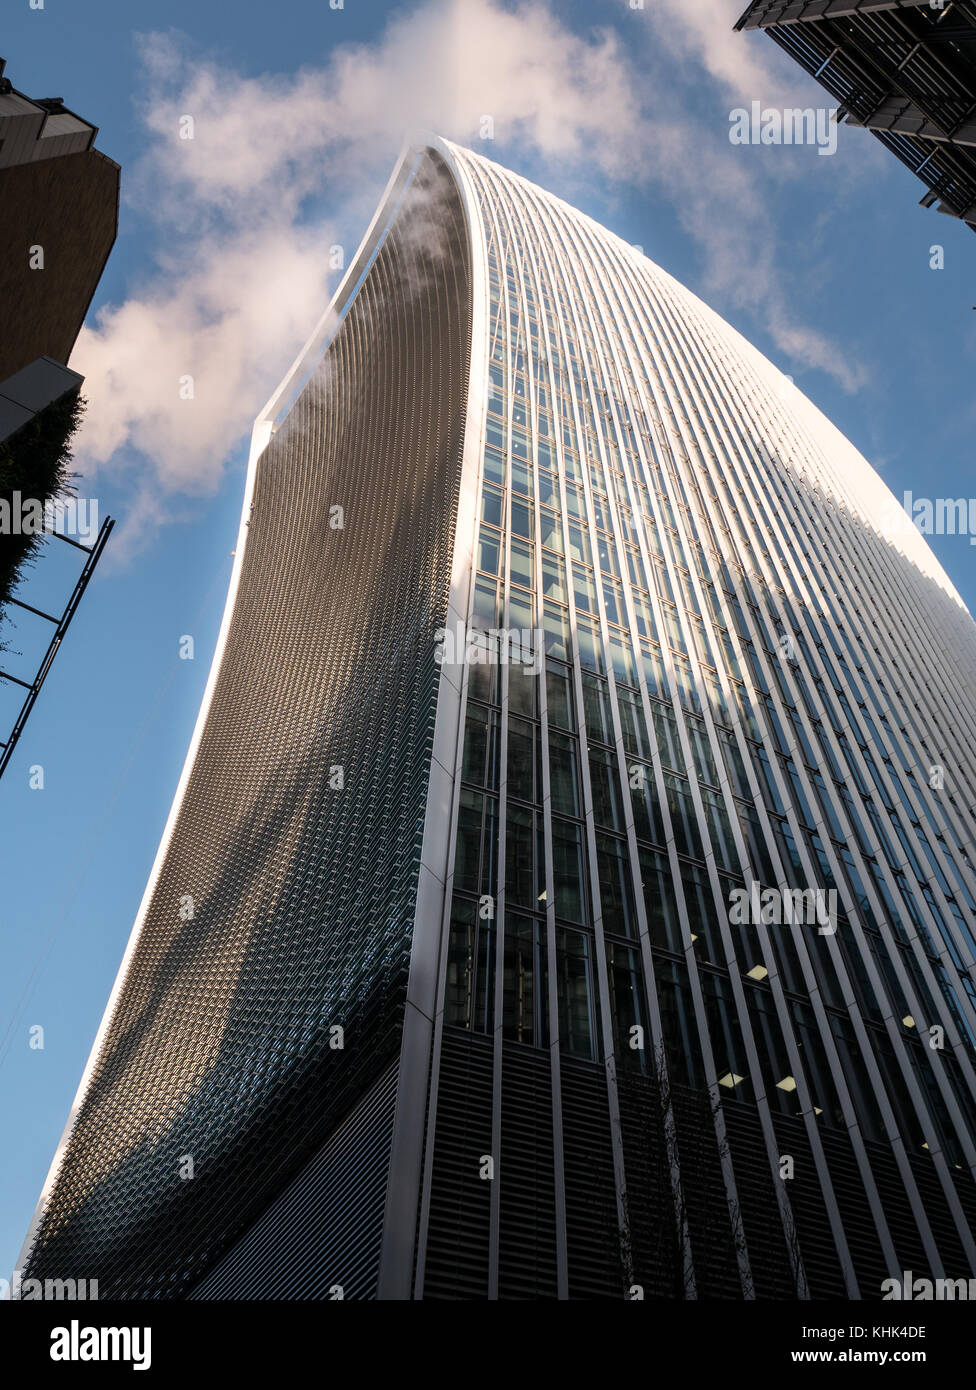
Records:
x=61, y=625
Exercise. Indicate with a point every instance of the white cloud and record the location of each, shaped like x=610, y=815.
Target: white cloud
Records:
x=726, y=195
x=746, y=65
x=245, y=212
x=241, y=270
x=226, y=319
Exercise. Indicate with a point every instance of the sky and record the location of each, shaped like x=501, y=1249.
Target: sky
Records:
x=224, y=263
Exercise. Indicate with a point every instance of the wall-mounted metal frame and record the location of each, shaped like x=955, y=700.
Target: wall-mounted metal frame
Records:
x=61, y=625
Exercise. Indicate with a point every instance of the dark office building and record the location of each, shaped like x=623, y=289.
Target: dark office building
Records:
x=905, y=69
x=569, y=891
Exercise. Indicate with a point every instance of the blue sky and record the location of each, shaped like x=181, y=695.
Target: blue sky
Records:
x=221, y=269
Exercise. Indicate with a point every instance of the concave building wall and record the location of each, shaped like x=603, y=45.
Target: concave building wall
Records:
x=302, y=893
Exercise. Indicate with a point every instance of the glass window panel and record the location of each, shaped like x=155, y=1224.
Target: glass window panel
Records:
x=779, y=1082
x=622, y=658
x=494, y=437
x=469, y=996
x=522, y=760
x=548, y=486
x=648, y=822
x=550, y=531
x=702, y=751
x=666, y=732
x=521, y=617
x=486, y=611
x=627, y=1008
x=616, y=886
x=522, y=518
x=522, y=690
x=613, y=602
x=484, y=681
x=720, y=830
x=702, y=917
x=596, y=710
x=492, y=503
x=467, y=859
x=733, y=764
x=632, y=727
x=579, y=545
x=525, y=1016
x=605, y=789
x=522, y=476
x=636, y=567
x=479, y=764
x=521, y=862
x=575, y=994
x=715, y=696
x=684, y=822
x=678, y=1025
x=654, y=673
x=495, y=465
x=855, y=1074
x=489, y=551
x=569, y=884
x=584, y=590
x=564, y=774
x=607, y=556
x=590, y=647
x=660, y=903
x=688, y=692
x=644, y=614
x=815, y=1064
x=556, y=625
x=758, y=851
x=745, y=936
x=559, y=696
x=554, y=578
x=725, y=1035
x=460, y=964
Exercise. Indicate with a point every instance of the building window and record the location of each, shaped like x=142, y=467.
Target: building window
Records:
x=569, y=881
x=627, y=1009
x=616, y=886
x=525, y=1007
x=469, y=998
x=575, y=994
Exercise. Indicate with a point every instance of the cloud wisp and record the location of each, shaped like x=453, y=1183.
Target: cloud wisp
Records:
x=249, y=184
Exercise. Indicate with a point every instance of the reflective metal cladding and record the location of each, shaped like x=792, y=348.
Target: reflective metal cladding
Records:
x=569, y=890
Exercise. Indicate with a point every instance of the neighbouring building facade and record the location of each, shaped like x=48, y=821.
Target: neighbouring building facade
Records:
x=60, y=199
x=569, y=892
x=59, y=209
x=903, y=69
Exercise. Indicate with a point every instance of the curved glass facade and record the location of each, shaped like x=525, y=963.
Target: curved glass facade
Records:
x=725, y=829
x=678, y=995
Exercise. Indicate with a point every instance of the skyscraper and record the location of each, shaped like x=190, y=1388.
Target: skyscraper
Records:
x=569, y=889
